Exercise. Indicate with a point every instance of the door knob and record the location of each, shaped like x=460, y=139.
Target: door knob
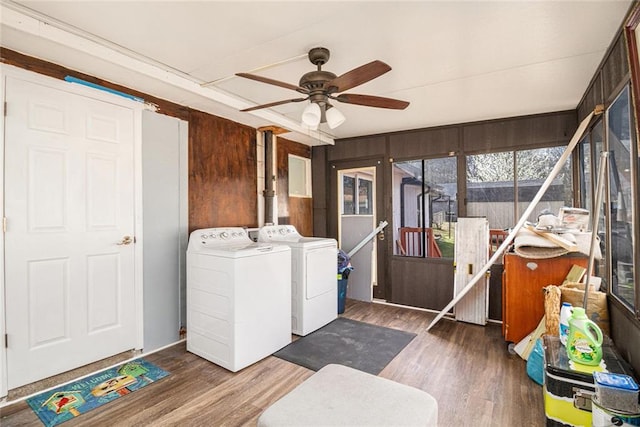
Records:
x=126, y=240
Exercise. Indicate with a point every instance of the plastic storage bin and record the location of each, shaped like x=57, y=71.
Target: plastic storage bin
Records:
x=344, y=269
x=617, y=392
x=342, y=292
x=603, y=417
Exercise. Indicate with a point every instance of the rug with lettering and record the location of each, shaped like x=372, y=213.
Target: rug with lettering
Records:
x=74, y=399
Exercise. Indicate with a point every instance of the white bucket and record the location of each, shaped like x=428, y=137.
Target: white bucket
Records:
x=602, y=417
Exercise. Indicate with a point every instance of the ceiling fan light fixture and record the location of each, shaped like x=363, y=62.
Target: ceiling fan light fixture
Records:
x=311, y=115
x=334, y=117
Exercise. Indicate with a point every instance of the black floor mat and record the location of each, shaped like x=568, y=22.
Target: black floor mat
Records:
x=347, y=342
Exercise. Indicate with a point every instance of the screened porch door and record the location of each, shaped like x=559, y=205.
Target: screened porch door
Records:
x=359, y=211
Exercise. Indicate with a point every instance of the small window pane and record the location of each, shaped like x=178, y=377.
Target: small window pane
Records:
x=348, y=195
x=585, y=173
x=490, y=191
x=602, y=267
x=299, y=176
x=365, y=197
x=533, y=167
x=424, y=193
x=441, y=206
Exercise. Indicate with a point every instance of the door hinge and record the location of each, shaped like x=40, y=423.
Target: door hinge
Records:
x=5, y=108
x=4, y=224
x=6, y=340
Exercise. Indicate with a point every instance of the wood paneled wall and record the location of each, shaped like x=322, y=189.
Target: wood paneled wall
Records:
x=297, y=211
x=222, y=173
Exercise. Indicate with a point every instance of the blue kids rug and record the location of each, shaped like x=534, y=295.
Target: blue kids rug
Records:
x=71, y=400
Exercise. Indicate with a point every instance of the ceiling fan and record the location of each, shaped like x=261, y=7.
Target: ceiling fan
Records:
x=321, y=87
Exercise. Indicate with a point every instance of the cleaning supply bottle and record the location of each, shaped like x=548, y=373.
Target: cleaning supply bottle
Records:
x=584, y=344
x=565, y=314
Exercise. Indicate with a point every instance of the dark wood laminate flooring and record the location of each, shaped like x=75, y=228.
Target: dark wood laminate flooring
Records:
x=467, y=368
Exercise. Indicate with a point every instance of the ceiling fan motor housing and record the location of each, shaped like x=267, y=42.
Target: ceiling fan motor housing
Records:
x=319, y=56
x=315, y=81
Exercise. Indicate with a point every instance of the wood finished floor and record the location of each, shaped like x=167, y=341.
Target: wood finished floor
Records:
x=467, y=368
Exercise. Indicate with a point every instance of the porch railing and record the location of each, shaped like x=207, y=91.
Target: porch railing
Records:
x=410, y=242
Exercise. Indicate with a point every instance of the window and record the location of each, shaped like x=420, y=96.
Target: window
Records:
x=621, y=199
x=490, y=188
x=532, y=169
x=365, y=196
x=425, y=207
x=591, y=148
x=495, y=179
x=357, y=194
x=586, y=176
x=348, y=195
x=299, y=176
x=617, y=215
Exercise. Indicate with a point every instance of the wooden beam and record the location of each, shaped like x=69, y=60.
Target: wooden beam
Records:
x=274, y=129
x=553, y=237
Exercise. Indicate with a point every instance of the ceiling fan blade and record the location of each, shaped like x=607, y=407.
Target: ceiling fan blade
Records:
x=273, y=104
x=272, y=82
x=358, y=76
x=372, y=101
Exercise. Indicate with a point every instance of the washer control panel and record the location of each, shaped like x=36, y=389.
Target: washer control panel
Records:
x=221, y=236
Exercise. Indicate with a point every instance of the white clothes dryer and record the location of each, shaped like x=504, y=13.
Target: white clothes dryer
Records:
x=238, y=297
x=314, y=284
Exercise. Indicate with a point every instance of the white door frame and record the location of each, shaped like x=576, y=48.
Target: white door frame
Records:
x=137, y=107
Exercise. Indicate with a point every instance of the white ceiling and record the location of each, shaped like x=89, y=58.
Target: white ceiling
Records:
x=453, y=61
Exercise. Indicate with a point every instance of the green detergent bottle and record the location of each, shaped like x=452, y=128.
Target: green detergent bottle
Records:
x=584, y=344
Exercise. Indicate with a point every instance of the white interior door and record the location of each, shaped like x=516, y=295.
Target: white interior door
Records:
x=69, y=203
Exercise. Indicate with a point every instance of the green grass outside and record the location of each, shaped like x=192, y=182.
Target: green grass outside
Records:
x=446, y=242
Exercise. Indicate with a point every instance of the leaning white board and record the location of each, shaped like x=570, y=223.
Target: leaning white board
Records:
x=472, y=252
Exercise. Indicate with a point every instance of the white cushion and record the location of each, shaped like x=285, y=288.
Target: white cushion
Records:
x=337, y=395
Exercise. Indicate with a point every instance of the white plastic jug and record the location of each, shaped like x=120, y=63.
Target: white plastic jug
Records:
x=565, y=314
x=584, y=344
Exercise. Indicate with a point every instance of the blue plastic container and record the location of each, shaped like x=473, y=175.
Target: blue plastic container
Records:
x=535, y=363
x=342, y=293
x=344, y=269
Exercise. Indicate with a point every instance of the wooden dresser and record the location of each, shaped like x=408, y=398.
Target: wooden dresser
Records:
x=522, y=296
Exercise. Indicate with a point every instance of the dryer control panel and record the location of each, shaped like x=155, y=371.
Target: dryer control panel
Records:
x=278, y=233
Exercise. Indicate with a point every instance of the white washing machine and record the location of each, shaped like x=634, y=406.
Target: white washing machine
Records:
x=314, y=285
x=238, y=297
